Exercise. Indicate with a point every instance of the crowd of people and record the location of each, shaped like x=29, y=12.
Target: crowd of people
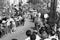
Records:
x=14, y=16
x=45, y=26
x=10, y=19
x=42, y=30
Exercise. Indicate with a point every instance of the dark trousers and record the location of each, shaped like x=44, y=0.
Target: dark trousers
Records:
x=22, y=21
x=0, y=34
x=36, y=26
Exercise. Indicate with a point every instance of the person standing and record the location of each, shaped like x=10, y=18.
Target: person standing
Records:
x=28, y=34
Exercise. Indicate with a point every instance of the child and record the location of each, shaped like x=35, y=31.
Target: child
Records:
x=28, y=34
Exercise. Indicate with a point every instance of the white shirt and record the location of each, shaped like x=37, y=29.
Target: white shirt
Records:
x=3, y=21
x=8, y=23
x=39, y=14
x=52, y=37
x=16, y=19
x=20, y=18
x=37, y=37
x=27, y=38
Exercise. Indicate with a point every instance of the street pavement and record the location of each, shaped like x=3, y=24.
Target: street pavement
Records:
x=20, y=32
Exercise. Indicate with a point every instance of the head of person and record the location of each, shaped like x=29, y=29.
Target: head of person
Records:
x=28, y=33
x=33, y=37
x=53, y=39
x=41, y=30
